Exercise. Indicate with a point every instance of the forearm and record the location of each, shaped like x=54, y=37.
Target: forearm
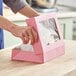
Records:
x=29, y=12
x=6, y=24
x=25, y=33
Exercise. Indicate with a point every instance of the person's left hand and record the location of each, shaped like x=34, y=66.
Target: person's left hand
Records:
x=26, y=33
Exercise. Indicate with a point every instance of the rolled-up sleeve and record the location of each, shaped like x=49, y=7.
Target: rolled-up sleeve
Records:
x=15, y=5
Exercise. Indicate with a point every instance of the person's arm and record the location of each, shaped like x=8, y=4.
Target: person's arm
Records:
x=25, y=33
x=22, y=7
x=6, y=24
x=28, y=11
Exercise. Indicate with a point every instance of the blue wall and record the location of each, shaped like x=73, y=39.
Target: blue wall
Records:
x=1, y=7
x=1, y=31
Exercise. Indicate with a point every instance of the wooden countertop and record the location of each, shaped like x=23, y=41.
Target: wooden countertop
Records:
x=62, y=66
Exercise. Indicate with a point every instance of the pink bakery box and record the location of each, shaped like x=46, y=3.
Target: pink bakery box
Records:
x=50, y=40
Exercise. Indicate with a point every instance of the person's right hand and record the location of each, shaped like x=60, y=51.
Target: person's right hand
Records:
x=26, y=33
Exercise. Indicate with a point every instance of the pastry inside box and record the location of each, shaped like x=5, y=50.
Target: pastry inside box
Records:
x=25, y=47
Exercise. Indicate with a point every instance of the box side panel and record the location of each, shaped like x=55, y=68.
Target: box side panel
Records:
x=37, y=46
x=54, y=52
x=27, y=56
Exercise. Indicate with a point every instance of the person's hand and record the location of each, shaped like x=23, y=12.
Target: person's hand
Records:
x=26, y=33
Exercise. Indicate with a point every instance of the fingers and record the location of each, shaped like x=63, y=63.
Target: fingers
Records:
x=32, y=35
x=25, y=38
x=29, y=35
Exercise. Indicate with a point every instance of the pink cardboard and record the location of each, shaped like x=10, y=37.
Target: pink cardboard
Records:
x=50, y=40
